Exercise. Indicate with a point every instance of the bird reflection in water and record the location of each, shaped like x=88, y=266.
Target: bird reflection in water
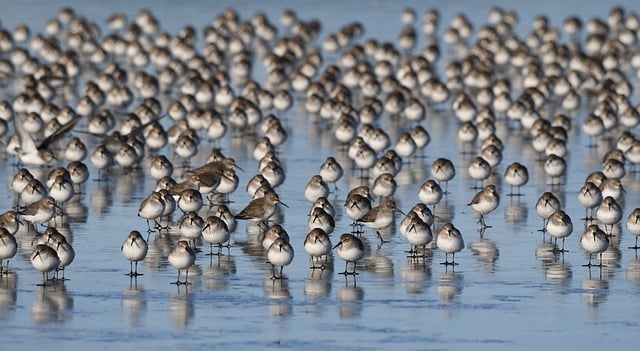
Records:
x=416, y=273
x=52, y=303
x=633, y=272
x=8, y=295
x=449, y=286
x=516, y=212
x=158, y=252
x=77, y=210
x=181, y=306
x=215, y=275
x=134, y=302
x=445, y=212
x=128, y=185
x=350, y=298
x=558, y=273
x=487, y=253
x=101, y=199
x=595, y=288
x=317, y=288
x=380, y=263
x=278, y=295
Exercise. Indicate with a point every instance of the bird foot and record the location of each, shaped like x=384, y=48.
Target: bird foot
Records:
x=447, y=263
x=181, y=283
x=345, y=273
x=634, y=247
x=133, y=274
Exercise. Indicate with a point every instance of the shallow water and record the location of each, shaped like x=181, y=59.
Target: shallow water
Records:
x=507, y=292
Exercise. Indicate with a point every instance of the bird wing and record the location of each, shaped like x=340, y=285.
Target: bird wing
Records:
x=27, y=144
x=58, y=134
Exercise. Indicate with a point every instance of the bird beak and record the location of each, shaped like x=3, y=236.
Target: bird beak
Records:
x=283, y=204
x=238, y=167
x=338, y=244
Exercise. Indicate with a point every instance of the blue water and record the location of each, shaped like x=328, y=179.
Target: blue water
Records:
x=507, y=292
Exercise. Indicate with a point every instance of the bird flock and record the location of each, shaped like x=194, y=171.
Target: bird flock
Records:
x=81, y=101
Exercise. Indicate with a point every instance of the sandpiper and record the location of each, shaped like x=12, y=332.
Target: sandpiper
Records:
x=516, y=175
x=430, y=193
x=40, y=212
x=485, y=201
x=64, y=250
x=633, y=224
x=182, y=257
x=450, y=241
x=134, y=249
x=8, y=249
x=357, y=205
x=316, y=187
x=609, y=212
x=261, y=209
x=479, y=170
x=317, y=244
x=331, y=171
x=560, y=226
x=279, y=254
x=152, y=208
x=384, y=186
x=380, y=217
x=190, y=227
x=350, y=249
x=215, y=232
x=160, y=167
x=9, y=221
x=272, y=233
x=546, y=205
x=190, y=200
x=590, y=197
x=418, y=234
x=443, y=170
x=594, y=241
x=45, y=260
x=321, y=219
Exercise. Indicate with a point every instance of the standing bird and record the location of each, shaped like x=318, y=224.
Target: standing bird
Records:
x=546, y=205
x=450, y=241
x=317, y=244
x=9, y=221
x=350, y=249
x=279, y=254
x=430, y=193
x=516, y=175
x=261, y=209
x=64, y=250
x=331, y=171
x=443, y=170
x=45, y=260
x=633, y=224
x=380, y=217
x=182, y=257
x=485, y=201
x=152, y=208
x=609, y=212
x=134, y=249
x=40, y=212
x=215, y=232
x=594, y=241
x=8, y=249
x=560, y=226
x=590, y=197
